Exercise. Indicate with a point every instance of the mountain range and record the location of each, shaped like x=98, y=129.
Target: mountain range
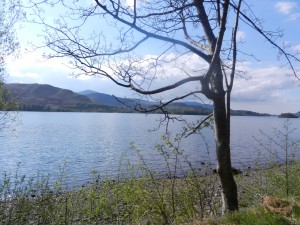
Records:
x=44, y=97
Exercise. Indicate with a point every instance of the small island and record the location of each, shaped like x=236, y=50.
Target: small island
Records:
x=287, y=115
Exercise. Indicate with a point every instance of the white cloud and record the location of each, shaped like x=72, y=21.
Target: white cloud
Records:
x=130, y=3
x=32, y=68
x=241, y=35
x=296, y=48
x=294, y=16
x=285, y=7
x=267, y=84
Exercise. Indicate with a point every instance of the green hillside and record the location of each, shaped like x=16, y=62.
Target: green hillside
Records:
x=44, y=97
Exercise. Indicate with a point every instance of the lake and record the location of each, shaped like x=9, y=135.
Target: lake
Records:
x=43, y=142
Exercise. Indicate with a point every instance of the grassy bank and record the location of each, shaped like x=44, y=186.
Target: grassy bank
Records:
x=188, y=200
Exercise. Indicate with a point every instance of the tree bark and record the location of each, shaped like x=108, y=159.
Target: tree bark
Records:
x=224, y=169
x=215, y=91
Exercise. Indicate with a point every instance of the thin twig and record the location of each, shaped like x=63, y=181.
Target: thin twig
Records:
x=196, y=128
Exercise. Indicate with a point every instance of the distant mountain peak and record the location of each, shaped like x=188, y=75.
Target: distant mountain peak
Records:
x=87, y=92
x=44, y=95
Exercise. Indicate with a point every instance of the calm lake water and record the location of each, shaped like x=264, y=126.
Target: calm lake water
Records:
x=43, y=142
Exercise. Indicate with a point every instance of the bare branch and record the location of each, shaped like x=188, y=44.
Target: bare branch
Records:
x=205, y=24
x=188, y=37
x=169, y=87
x=153, y=35
x=287, y=55
x=161, y=106
x=234, y=47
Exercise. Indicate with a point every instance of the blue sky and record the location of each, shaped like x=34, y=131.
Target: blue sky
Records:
x=268, y=87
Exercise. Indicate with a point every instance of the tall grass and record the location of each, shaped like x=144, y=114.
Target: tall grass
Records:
x=276, y=172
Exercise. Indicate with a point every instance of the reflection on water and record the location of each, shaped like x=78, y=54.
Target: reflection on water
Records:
x=88, y=141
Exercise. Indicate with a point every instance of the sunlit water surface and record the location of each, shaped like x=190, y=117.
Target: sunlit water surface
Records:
x=80, y=143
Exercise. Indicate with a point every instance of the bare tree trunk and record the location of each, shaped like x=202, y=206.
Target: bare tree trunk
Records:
x=222, y=137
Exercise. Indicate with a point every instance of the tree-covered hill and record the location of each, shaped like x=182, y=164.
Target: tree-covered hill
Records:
x=44, y=97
